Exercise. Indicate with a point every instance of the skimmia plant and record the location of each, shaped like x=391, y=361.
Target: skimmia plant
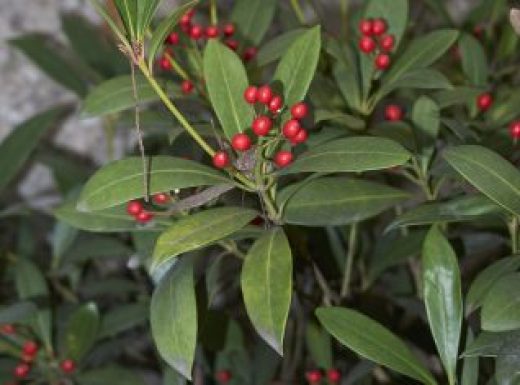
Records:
x=316, y=195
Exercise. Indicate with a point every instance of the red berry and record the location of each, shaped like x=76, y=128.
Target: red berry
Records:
x=21, y=370
x=161, y=198
x=221, y=159
x=186, y=28
x=223, y=376
x=229, y=29
x=27, y=358
x=144, y=217
x=173, y=38
x=334, y=375
x=276, y=104
x=165, y=64
x=262, y=125
x=250, y=53
x=251, y=94
x=196, y=32
x=393, y=113
x=313, y=376
x=68, y=366
x=299, y=110
x=265, y=94
x=379, y=27
x=134, y=208
x=300, y=137
x=211, y=31
x=241, y=142
x=514, y=129
x=382, y=61
x=387, y=43
x=484, y=101
x=186, y=18
x=30, y=348
x=367, y=44
x=291, y=128
x=187, y=87
x=8, y=329
x=366, y=27
x=283, y=158
x=478, y=31
x=232, y=44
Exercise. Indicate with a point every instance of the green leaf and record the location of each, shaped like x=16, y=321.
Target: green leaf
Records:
x=298, y=65
x=199, y=230
x=443, y=298
x=226, y=80
x=173, y=316
x=458, y=95
x=336, y=201
x=470, y=368
x=17, y=312
x=339, y=117
x=319, y=345
x=507, y=364
x=127, y=10
x=426, y=117
x=501, y=306
x=395, y=12
x=145, y=12
x=253, y=18
x=113, y=24
x=489, y=173
x=81, y=331
x=123, y=318
x=266, y=282
x=488, y=344
x=275, y=48
x=109, y=375
x=18, y=146
x=121, y=181
x=474, y=61
x=164, y=28
x=355, y=154
x=56, y=61
x=487, y=279
x=371, y=340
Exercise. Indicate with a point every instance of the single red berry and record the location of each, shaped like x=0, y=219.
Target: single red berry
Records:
x=232, y=44
x=366, y=27
x=478, y=31
x=144, y=217
x=393, y=113
x=21, y=370
x=250, y=53
x=313, y=376
x=251, y=94
x=223, y=376
x=134, y=208
x=221, y=159
x=291, y=128
x=30, y=348
x=387, y=43
x=173, y=38
x=379, y=27
x=265, y=95
x=186, y=18
x=68, y=366
x=300, y=137
x=299, y=110
x=212, y=31
x=262, y=125
x=276, y=104
x=229, y=29
x=382, y=61
x=187, y=87
x=334, y=375
x=161, y=198
x=8, y=329
x=165, y=64
x=186, y=28
x=241, y=142
x=514, y=129
x=283, y=158
x=484, y=101
x=367, y=44
x=196, y=32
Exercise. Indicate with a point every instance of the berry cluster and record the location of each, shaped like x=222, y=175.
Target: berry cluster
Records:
x=315, y=377
x=141, y=215
x=271, y=105
x=375, y=39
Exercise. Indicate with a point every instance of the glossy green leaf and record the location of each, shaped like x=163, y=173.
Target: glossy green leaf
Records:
x=127, y=10
x=173, y=316
x=123, y=318
x=474, y=61
x=109, y=375
x=275, y=48
x=426, y=117
x=298, y=65
x=319, y=345
x=253, y=18
x=488, y=344
x=371, y=340
x=483, y=283
x=81, y=331
x=145, y=12
x=200, y=230
x=17, y=312
x=266, y=282
x=457, y=95
x=226, y=81
x=16, y=148
x=501, y=306
x=443, y=298
x=121, y=181
x=470, y=368
x=489, y=173
x=355, y=154
x=350, y=121
x=507, y=364
x=505, y=108
x=336, y=201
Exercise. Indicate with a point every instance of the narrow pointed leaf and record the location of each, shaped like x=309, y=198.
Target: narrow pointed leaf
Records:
x=275, y=48
x=253, y=18
x=474, y=61
x=81, y=331
x=501, y=306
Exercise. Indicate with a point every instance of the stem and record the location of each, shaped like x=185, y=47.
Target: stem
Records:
x=344, y=5
x=422, y=180
x=298, y=11
x=513, y=230
x=213, y=12
x=352, y=239
x=328, y=294
x=177, y=67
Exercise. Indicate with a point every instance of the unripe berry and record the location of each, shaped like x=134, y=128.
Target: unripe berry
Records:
x=367, y=44
x=484, y=101
x=68, y=366
x=196, y=32
x=144, y=217
x=241, y=142
x=365, y=27
x=387, y=43
x=165, y=64
x=161, y=198
x=173, y=38
x=276, y=104
x=8, y=329
x=262, y=125
x=379, y=27
x=291, y=128
x=382, y=61
x=514, y=129
x=251, y=94
x=299, y=110
x=313, y=377
x=21, y=370
x=211, y=31
x=221, y=159
x=334, y=376
x=134, y=208
x=30, y=348
x=393, y=113
x=223, y=376
x=232, y=44
x=250, y=53
x=187, y=87
x=265, y=94
x=283, y=158
x=229, y=29
x=300, y=137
